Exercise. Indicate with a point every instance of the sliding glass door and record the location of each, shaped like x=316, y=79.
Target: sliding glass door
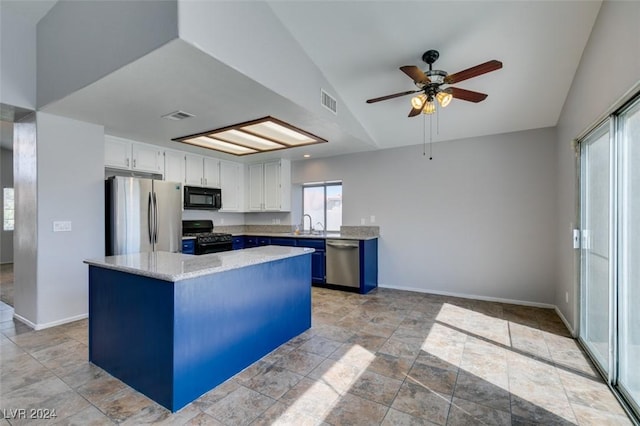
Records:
x=610, y=249
x=595, y=254
x=629, y=253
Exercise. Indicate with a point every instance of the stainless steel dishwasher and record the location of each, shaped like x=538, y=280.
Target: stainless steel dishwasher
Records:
x=343, y=263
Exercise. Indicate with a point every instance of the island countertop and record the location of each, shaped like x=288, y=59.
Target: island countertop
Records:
x=177, y=266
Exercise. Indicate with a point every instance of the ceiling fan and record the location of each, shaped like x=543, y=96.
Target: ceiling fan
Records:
x=429, y=84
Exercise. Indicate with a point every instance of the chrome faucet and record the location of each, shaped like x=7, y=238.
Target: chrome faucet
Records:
x=320, y=223
x=310, y=223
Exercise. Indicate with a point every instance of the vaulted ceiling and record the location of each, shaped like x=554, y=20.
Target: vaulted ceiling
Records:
x=358, y=46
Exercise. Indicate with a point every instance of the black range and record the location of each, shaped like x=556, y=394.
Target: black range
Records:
x=206, y=241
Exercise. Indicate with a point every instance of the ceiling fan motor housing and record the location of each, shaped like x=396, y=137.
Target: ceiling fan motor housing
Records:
x=430, y=56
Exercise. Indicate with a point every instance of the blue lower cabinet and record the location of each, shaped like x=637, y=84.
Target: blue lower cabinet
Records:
x=318, y=267
x=264, y=241
x=237, y=243
x=189, y=246
x=250, y=242
x=317, y=258
x=291, y=242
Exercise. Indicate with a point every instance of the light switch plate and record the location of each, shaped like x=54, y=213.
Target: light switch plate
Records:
x=61, y=226
x=576, y=238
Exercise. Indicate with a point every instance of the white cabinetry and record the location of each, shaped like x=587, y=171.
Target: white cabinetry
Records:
x=125, y=154
x=270, y=186
x=174, y=166
x=211, y=172
x=232, y=186
x=202, y=171
x=117, y=152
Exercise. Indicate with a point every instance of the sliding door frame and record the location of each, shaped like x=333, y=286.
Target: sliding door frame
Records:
x=611, y=376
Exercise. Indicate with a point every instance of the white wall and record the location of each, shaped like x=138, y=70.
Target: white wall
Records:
x=17, y=60
x=479, y=219
x=26, y=231
x=610, y=66
x=250, y=38
x=80, y=42
x=6, y=181
x=70, y=188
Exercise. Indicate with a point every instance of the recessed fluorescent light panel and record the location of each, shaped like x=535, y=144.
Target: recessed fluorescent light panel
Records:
x=265, y=134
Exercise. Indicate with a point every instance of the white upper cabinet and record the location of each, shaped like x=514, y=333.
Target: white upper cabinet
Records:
x=174, y=166
x=147, y=158
x=211, y=172
x=117, y=152
x=125, y=154
x=256, y=187
x=194, y=170
x=232, y=186
x=269, y=186
x=202, y=171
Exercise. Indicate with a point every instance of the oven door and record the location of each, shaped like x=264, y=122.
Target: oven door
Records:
x=206, y=248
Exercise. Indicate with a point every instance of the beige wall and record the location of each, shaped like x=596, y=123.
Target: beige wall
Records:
x=477, y=220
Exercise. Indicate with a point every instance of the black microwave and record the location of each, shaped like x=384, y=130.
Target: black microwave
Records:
x=197, y=198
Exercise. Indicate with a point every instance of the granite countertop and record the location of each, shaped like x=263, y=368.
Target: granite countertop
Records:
x=177, y=266
x=322, y=236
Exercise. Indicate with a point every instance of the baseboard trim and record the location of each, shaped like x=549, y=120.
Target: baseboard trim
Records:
x=566, y=323
x=49, y=324
x=472, y=296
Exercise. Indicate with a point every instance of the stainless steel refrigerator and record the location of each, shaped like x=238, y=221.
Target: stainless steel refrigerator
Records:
x=142, y=215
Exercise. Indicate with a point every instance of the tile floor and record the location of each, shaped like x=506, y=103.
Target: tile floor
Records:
x=390, y=357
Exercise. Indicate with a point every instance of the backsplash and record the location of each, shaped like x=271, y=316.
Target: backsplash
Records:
x=348, y=231
x=360, y=231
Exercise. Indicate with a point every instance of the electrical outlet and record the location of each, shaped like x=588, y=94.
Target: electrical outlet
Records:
x=61, y=226
x=221, y=221
x=566, y=297
x=362, y=221
x=373, y=219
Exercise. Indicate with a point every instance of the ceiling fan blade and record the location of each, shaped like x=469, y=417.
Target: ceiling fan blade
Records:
x=466, y=95
x=395, y=95
x=414, y=112
x=473, y=72
x=415, y=73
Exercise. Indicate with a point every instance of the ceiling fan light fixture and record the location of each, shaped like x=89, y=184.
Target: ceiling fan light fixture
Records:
x=418, y=101
x=444, y=98
x=429, y=108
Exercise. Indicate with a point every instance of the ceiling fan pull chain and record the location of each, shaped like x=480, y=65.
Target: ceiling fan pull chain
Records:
x=424, y=135
x=430, y=137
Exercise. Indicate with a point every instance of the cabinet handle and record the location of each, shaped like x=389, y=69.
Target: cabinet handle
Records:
x=134, y=162
x=205, y=181
x=127, y=162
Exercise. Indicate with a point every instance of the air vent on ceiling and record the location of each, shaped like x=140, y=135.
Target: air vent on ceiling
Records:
x=328, y=101
x=177, y=115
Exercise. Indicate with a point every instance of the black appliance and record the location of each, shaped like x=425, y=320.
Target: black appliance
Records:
x=198, y=198
x=206, y=241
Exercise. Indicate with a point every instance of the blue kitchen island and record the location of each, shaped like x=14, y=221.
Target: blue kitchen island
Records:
x=174, y=326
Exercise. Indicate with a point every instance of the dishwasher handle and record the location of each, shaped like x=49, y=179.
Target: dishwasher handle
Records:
x=340, y=244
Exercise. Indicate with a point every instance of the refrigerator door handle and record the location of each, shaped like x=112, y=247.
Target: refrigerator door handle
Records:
x=155, y=219
x=149, y=219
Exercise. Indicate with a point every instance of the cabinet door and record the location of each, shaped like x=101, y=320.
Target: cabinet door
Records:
x=231, y=185
x=318, y=267
x=117, y=152
x=147, y=158
x=174, y=166
x=256, y=187
x=194, y=170
x=211, y=172
x=272, y=199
